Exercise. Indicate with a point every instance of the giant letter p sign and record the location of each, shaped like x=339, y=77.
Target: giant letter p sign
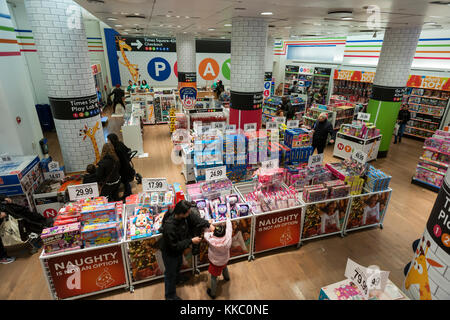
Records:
x=159, y=69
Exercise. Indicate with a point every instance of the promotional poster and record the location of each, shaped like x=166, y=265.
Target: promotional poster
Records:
x=323, y=218
x=367, y=210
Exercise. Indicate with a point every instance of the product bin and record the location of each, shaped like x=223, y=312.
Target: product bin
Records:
x=345, y=145
x=144, y=257
x=273, y=229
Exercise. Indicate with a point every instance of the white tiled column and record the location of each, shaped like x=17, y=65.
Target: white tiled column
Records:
x=396, y=57
x=248, y=50
x=268, y=64
x=186, y=52
x=60, y=38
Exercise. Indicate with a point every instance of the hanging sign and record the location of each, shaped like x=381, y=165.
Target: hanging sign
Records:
x=53, y=166
x=291, y=124
x=217, y=173
x=154, y=184
x=428, y=82
x=250, y=127
x=54, y=175
x=363, y=116
x=360, y=156
x=351, y=75
x=83, y=191
x=271, y=125
x=188, y=96
x=315, y=160
x=74, y=108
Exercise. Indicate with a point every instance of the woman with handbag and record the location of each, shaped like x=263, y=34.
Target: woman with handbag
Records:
x=108, y=173
x=127, y=172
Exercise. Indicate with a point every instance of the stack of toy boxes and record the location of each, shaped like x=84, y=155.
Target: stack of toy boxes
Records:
x=377, y=180
x=235, y=156
x=207, y=153
x=102, y=224
x=299, y=143
x=252, y=147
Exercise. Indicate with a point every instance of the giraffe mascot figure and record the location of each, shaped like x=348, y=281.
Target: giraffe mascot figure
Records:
x=418, y=272
x=90, y=133
x=132, y=68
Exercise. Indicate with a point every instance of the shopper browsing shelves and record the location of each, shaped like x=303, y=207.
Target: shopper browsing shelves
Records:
x=403, y=117
x=91, y=175
x=321, y=129
x=219, y=243
x=287, y=107
x=119, y=95
x=178, y=227
x=108, y=174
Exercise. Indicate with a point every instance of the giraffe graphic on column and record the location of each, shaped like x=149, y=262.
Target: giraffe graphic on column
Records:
x=418, y=272
x=132, y=68
x=90, y=133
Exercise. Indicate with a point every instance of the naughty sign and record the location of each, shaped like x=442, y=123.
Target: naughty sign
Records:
x=87, y=272
x=280, y=229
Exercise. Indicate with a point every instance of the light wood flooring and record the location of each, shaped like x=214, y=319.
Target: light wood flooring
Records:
x=286, y=274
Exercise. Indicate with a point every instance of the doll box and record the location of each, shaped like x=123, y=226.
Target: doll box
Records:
x=98, y=213
x=101, y=233
x=49, y=234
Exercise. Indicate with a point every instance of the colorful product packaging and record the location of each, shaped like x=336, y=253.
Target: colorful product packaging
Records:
x=61, y=238
x=100, y=213
x=101, y=233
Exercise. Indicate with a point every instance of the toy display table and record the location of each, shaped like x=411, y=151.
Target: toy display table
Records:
x=346, y=290
x=346, y=145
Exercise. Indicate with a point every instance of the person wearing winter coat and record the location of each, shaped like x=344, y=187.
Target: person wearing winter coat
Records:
x=179, y=227
x=4, y=201
x=403, y=117
x=127, y=172
x=108, y=173
x=219, y=242
x=321, y=129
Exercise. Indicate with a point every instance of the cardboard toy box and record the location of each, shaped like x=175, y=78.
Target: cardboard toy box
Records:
x=61, y=237
x=98, y=213
x=101, y=233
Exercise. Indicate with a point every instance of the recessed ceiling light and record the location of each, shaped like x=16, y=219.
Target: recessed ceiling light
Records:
x=168, y=15
x=187, y=17
x=317, y=24
x=124, y=32
x=347, y=18
x=266, y=13
x=222, y=37
x=124, y=13
x=178, y=26
x=184, y=32
x=153, y=34
x=137, y=14
x=118, y=25
x=111, y=19
x=161, y=25
x=227, y=25
x=211, y=29
x=127, y=30
x=178, y=16
x=430, y=22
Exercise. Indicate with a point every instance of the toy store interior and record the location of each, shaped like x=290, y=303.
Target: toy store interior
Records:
x=308, y=156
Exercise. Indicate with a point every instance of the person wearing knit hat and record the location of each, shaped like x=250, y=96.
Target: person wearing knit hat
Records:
x=321, y=129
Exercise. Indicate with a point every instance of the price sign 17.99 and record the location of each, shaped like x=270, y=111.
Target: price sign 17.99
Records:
x=82, y=191
x=154, y=184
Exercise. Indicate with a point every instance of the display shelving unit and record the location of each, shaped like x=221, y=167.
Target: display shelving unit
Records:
x=427, y=108
x=162, y=104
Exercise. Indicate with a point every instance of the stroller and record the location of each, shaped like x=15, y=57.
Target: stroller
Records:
x=137, y=176
x=24, y=226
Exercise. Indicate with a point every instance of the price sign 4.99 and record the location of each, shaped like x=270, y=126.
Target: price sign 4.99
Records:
x=217, y=173
x=154, y=184
x=82, y=191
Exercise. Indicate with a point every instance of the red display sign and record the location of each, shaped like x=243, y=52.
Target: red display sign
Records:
x=427, y=82
x=49, y=213
x=280, y=229
x=87, y=272
x=360, y=76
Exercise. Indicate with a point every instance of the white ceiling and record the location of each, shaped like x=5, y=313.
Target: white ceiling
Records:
x=290, y=17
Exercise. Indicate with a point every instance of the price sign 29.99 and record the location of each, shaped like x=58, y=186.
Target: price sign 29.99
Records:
x=154, y=184
x=82, y=191
x=217, y=173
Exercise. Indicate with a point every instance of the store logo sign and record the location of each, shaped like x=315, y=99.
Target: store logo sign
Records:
x=226, y=69
x=188, y=96
x=159, y=69
x=208, y=69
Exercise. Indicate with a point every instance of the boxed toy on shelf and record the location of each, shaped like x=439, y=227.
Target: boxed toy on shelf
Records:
x=62, y=238
x=222, y=208
x=434, y=162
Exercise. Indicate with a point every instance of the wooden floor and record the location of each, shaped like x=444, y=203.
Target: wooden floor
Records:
x=287, y=274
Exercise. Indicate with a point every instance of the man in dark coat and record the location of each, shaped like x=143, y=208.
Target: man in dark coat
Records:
x=179, y=229
x=287, y=108
x=119, y=94
x=321, y=129
x=403, y=117
x=127, y=172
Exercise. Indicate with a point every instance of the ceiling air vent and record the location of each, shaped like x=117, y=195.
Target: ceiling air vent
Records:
x=444, y=3
x=135, y=17
x=96, y=1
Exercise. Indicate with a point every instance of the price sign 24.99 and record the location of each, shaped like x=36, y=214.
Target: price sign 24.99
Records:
x=82, y=191
x=217, y=173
